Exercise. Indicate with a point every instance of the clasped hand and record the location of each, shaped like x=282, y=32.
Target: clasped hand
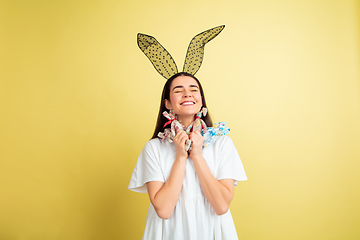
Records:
x=197, y=142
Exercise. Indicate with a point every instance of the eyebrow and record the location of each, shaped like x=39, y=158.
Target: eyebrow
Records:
x=181, y=86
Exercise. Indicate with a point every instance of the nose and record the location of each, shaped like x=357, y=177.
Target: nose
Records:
x=187, y=93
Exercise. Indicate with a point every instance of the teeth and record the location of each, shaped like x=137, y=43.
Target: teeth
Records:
x=187, y=103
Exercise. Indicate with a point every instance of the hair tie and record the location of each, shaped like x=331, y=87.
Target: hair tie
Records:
x=168, y=122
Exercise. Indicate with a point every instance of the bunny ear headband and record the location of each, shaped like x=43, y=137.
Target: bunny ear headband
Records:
x=162, y=60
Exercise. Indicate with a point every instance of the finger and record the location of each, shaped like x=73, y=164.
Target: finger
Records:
x=195, y=135
x=180, y=132
x=179, y=135
x=182, y=143
x=197, y=138
x=182, y=136
x=180, y=140
x=191, y=136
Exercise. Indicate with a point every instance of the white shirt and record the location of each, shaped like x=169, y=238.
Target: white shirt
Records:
x=193, y=217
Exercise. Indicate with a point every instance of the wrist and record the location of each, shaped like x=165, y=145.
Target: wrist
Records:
x=181, y=158
x=197, y=157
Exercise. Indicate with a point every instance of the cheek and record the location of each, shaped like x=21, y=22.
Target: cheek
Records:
x=173, y=99
x=199, y=98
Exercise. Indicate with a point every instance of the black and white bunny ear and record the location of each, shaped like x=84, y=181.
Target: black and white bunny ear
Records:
x=158, y=55
x=195, y=52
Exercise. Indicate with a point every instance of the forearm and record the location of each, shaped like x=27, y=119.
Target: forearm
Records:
x=218, y=195
x=165, y=197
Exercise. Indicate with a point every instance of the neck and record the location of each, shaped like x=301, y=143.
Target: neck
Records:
x=186, y=121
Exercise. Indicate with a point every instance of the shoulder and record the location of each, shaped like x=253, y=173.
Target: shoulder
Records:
x=156, y=146
x=223, y=140
x=223, y=144
x=155, y=142
x=152, y=145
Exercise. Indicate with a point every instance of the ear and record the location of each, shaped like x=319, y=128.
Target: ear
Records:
x=168, y=104
x=195, y=52
x=157, y=54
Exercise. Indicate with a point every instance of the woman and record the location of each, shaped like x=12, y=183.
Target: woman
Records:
x=190, y=192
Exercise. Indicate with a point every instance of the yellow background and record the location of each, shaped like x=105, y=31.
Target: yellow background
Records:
x=78, y=101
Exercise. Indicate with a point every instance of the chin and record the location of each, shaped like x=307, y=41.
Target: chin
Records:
x=188, y=114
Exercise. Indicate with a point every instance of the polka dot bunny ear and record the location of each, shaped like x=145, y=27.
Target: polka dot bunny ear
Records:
x=158, y=55
x=195, y=52
x=162, y=60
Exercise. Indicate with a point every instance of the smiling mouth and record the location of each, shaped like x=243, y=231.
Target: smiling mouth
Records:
x=187, y=103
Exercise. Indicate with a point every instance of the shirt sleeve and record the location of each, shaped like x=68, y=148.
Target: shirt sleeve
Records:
x=147, y=169
x=230, y=165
